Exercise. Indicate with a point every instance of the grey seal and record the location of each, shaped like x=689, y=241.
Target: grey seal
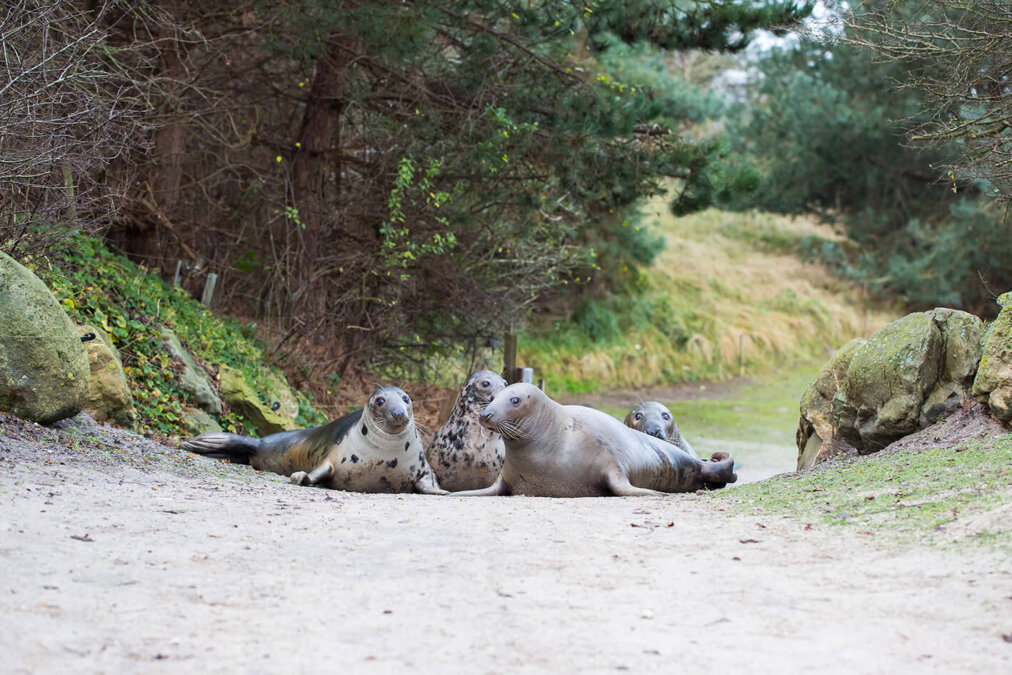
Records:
x=464, y=454
x=656, y=420
x=376, y=449
x=555, y=450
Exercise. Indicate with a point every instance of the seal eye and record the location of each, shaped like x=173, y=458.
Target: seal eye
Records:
x=666, y=416
x=486, y=384
x=515, y=400
x=639, y=416
x=406, y=400
x=380, y=401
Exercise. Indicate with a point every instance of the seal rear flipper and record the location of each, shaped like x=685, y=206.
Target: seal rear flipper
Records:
x=221, y=445
x=718, y=471
x=500, y=488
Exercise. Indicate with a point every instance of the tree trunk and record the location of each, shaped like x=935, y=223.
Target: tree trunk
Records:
x=318, y=139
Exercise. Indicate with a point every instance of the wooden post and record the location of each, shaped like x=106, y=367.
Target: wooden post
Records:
x=179, y=273
x=509, y=356
x=741, y=355
x=212, y=279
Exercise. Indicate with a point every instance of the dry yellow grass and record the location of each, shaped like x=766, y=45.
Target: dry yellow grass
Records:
x=726, y=278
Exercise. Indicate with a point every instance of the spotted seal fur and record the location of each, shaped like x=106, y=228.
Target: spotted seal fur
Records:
x=464, y=454
x=376, y=449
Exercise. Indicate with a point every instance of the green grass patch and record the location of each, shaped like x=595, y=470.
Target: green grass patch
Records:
x=939, y=494
x=100, y=288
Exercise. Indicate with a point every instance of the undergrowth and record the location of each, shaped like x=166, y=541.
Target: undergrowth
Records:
x=100, y=288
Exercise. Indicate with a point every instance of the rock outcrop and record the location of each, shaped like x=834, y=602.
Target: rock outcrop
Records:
x=109, y=397
x=44, y=369
x=909, y=374
x=241, y=396
x=993, y=383
x=193, y=379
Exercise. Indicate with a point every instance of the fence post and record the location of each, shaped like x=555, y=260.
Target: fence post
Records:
x=212, y=279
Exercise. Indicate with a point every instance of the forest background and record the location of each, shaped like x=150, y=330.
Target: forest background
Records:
x=386, y=186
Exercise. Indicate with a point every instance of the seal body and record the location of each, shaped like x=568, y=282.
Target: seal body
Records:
x=656, y=420
x=554, y=450
x=376, y=449
x=464, y=454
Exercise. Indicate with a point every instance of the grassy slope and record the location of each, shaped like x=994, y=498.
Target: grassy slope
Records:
x=723, y=276
x=939, y=495
x=101, y=288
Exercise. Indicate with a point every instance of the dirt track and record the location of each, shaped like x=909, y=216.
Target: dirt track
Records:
x=196, y=566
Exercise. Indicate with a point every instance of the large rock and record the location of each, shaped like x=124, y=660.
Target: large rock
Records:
x=909, y=374
x=193, y=379
x=43, y=365
x=240, y=395
x=816, y=436
x=993, y=384
x=197, y=422
x=887, y=381
x=109, y=397
x=962, y=343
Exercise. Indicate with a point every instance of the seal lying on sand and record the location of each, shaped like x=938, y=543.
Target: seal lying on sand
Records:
x=464, y=454
x=656, y=420
x=555, y=450
x=376, y=449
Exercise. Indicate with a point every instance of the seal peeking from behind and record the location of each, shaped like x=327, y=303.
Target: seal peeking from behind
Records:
x=656, y=420
x=464, y=454
x=555, y=450
x=376, y=449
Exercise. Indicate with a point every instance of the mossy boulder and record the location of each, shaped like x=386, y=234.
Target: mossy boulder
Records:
x=887, y=381
x=816, y=436
x=241, y=396
x=193, y=379
x=908, y=375
x=44, y=367
x=109, y=397
x=197, y=421
x=993, y=384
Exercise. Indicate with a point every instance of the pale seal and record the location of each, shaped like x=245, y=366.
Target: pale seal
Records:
x=656, y=420
x=555, y=450
x=376, y=449
x=464, y=454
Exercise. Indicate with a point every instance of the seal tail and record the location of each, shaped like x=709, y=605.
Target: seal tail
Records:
x=220, y=445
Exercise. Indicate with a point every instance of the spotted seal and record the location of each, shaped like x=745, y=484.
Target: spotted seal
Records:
x=464, y=454
x=555, y=450
x=376, y=449
x=656, y=420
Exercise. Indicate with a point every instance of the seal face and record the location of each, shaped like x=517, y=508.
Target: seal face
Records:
x=554, y=450
x=656, y=420
x=464, y=454
x=376, y=449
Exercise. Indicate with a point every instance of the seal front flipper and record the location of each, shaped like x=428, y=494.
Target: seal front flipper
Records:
x=500, y=488
x=325, y=471
x=428, y=485
x=221, y=445
x=619, y=485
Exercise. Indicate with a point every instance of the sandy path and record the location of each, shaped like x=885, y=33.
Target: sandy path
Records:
x=244, y=573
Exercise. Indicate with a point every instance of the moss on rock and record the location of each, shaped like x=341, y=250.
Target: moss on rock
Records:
x=44, y=367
